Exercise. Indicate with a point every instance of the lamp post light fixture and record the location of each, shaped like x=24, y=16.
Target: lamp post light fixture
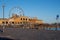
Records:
x=57, y=19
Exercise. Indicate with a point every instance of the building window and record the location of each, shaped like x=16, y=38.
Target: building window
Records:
x=21, y=18
x=3, y=22
x=12, y=22
x=24, y=22
x=26, y=19
x=29, y=19
x=6, y=22
x=18, y=22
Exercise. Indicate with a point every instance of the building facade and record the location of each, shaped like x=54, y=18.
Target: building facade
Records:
x=18, y=20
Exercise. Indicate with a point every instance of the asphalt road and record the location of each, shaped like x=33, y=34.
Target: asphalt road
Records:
x=30, y=34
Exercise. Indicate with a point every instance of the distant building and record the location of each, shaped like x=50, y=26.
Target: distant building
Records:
x=18, y=20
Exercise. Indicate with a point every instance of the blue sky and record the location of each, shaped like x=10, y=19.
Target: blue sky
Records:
x=45, y=10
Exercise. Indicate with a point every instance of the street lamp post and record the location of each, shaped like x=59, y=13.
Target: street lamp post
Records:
x=3, y=6
x=57, y=19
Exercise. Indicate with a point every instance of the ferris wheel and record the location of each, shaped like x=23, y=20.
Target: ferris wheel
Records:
x=16, y=10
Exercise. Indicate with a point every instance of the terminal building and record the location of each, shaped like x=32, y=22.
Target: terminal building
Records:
x=18, y=20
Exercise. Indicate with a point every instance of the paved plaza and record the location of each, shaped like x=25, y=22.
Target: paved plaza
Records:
x=30, y=34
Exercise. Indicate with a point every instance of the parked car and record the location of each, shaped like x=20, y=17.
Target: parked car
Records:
x=1, y=30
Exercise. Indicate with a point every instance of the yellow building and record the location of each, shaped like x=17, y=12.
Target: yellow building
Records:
x=17, y=20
